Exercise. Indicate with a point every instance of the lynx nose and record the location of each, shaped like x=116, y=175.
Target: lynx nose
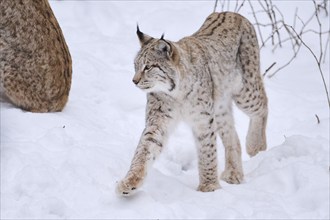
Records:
x=136, y=81
x=136, y=78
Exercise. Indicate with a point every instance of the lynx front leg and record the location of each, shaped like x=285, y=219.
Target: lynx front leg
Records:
x=159, y=118
x=149, y=147
x=205, y=136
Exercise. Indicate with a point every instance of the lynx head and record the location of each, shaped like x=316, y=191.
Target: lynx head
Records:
x=156, y=64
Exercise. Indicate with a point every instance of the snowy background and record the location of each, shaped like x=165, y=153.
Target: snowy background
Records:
x=65, y=165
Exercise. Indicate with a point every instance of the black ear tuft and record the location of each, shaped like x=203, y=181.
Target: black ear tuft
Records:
x=164, y=45
x=139, y=33
x=144, y=39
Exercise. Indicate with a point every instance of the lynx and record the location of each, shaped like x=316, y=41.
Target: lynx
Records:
x=35, y=63
x=195, y=80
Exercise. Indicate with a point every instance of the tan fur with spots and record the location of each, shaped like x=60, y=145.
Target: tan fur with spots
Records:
x=35, y=62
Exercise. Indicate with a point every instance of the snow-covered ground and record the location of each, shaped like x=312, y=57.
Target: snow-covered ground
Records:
x=65, y=165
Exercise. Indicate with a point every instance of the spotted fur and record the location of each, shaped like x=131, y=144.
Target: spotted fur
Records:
x=196, y=80
x=35, y=63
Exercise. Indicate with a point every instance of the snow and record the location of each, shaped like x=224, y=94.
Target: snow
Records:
x=65, y=165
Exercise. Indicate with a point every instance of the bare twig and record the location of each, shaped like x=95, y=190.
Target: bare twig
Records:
x=237, y=8
x=323, y=5
x=318, y=64
x=228, y=5
x=304, y=32
x=274, y=20
x=215, y=5
x=326, y=46
x=317, y=118
x=287, y=64
x=223, y=5
x=320, y=28
x=294, y=18
x=256, y=19
x=271, y=66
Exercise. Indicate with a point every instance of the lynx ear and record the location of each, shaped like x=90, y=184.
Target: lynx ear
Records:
x=144, y=39
x=164, y=47
x=168, y=49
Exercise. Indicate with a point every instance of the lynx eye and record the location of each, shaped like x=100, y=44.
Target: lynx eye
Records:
x=147, y=67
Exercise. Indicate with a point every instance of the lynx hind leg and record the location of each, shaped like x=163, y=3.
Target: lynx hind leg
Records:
x=233, y=172
x=256, y=137
x=253, y=102
x=252, y=99
x=255, y=106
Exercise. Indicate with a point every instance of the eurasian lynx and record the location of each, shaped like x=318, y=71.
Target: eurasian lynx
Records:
x=35, y=63
x=196, y=79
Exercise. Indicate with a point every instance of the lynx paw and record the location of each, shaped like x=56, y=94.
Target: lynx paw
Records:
x=128, y=186
x=252, y=150
x=124, y=190
x=232, y=176
x=210, y=187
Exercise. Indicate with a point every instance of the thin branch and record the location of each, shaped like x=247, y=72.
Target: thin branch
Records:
x=325, y=48
x=287, y=64
x=320, y=28
x=318, y=64
x=295, y=18
x=317, y=118
x=223, y=5
x=215, y=6
x=256, y=19
x=271, y=66
x=304, y=32
x=239, y=8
